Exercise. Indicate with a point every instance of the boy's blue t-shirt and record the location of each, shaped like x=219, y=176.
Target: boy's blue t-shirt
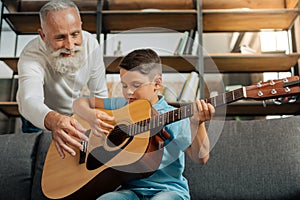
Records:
x=169, y=175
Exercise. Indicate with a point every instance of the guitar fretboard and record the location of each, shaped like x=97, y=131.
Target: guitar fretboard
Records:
x=158, y=122
x=226, y=98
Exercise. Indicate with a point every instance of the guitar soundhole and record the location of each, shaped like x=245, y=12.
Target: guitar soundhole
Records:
x=117, y=136
x=100, y=155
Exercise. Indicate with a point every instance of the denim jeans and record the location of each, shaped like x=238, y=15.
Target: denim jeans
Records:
x=130, y=195
x=28, y=127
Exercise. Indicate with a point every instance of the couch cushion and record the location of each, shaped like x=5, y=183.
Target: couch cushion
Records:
x=258, y=159
x=18, y=154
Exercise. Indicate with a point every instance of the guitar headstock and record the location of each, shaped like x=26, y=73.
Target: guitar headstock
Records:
x=273, y=89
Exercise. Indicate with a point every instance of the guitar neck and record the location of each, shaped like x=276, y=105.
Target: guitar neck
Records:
x=227, y=97
x=183, y=112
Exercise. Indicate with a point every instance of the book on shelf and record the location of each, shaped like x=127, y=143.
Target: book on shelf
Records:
x=182, y=43
x=190, y=88
x=195, y=46
x=190, y=41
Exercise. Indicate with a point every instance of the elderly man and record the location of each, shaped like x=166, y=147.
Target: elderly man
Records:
x=53, y=69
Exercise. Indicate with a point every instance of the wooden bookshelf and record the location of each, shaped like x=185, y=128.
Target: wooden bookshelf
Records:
x=217, y=16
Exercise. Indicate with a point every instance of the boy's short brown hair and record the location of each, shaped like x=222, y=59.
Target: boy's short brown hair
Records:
x=146, y=61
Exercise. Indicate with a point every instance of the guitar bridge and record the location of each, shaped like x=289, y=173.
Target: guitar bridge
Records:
x=82, y=154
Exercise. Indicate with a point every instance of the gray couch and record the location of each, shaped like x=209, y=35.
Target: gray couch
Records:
x=258, y=159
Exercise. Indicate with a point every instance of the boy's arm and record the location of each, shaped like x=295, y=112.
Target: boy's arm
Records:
x=198, y=151
x=85, y=108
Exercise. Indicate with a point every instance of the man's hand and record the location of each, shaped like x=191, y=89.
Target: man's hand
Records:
x=64, y=131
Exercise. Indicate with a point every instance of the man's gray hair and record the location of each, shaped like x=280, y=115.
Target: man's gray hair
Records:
x=55, y=5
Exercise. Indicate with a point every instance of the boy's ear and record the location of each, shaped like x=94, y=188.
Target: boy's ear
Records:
x=158, y=81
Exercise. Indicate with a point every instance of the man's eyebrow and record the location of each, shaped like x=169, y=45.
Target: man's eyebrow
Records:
x=77, y=31
x=60, y=36
x=64, y=35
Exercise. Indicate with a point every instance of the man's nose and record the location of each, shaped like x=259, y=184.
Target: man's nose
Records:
x=69, y=43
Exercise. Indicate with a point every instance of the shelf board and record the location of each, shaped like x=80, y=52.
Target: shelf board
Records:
x=223, y=63
x=11, y=62
x=122, y=20
x=29, y=22
x=214, y=63
x=250, y=63
x=217, y=20
x=229, y=20
x=9, y=108
x=170, y=63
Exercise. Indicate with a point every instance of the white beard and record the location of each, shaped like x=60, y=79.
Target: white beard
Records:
x=66, y=65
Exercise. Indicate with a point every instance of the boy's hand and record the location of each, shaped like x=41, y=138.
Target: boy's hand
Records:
x=98, y=124
x=202, y=112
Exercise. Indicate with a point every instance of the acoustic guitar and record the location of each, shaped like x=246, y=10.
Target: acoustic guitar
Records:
x=134, y=148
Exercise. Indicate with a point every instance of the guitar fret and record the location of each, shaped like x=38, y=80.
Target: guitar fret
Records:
x=143, y=126
x=135, y=128
x=139, y=127
x=184, y=112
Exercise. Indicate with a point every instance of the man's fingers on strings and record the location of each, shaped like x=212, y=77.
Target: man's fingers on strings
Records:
x=67, y=140
x=74, y=131
x=66, y=144
x=59, y=150
x=78, y=126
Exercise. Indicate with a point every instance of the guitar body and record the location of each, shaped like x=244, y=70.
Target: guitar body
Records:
x=106, y=166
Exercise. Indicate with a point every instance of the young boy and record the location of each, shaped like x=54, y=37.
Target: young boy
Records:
x=141, y=78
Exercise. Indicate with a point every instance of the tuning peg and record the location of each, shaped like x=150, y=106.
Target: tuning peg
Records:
x=260, y=93
x=277, y=101
x=272, y=82
x=292, y=99
x=259, y=84
x=287, y=89
x=264, y=103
